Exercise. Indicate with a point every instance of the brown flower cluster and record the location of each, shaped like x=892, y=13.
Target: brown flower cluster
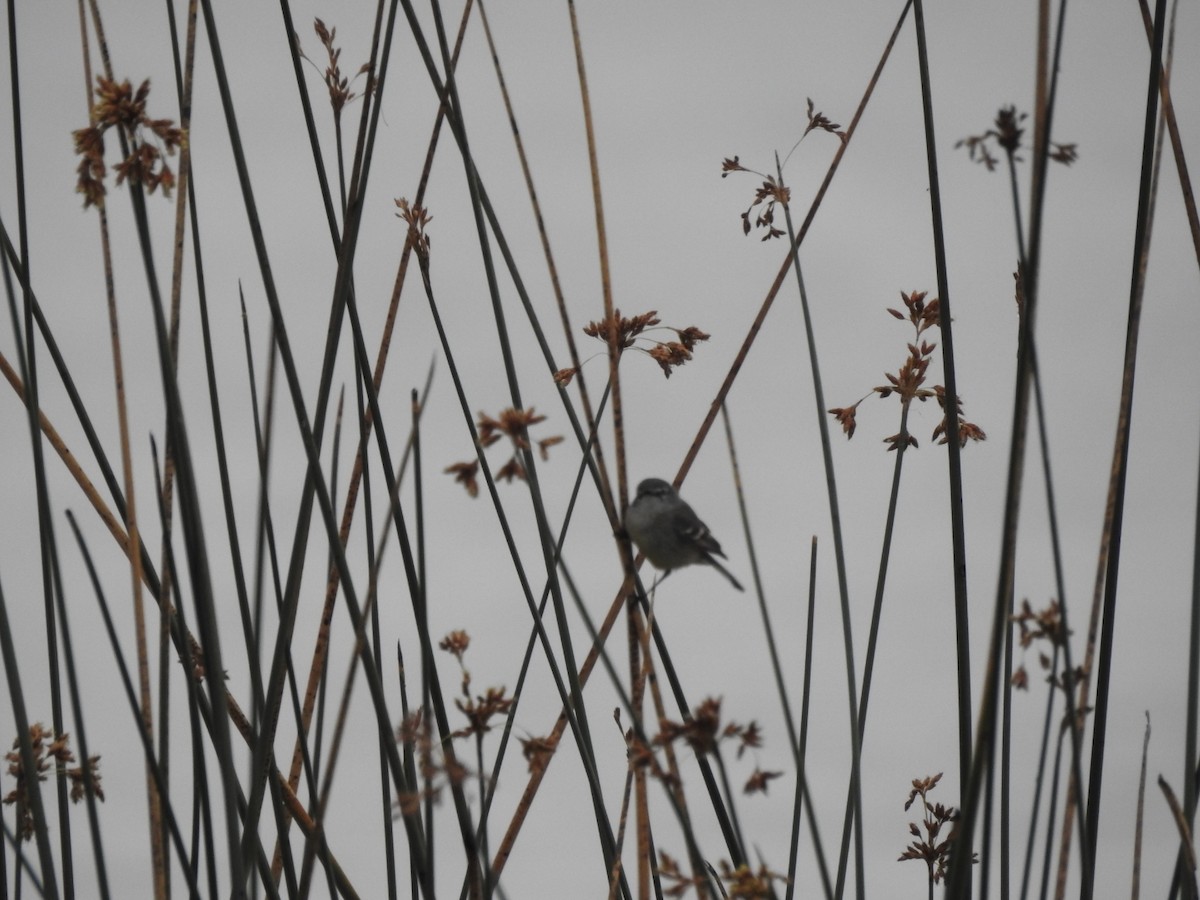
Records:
x=465, y=474
x=482, y=708
x=767, y=195
x=703, y=731
x=744, y=883
x=1007, y=133
x=929, y=845
x=50, y=752
x=435, y=769
x=641, y=755
x=818, y=121
x=417, y=218
x=670, y=354
x=619, y=330
x=967, y=431
x=513, y=424
x=455, y=643
x=624, y=332
x=677, y=882
x=908, y=382
x=537, y=752
x=118, y=106
x=740, y=883
x=760, y=780
x=1043, y=625
x=437, y=765
x=340, y=87
x=772, y=192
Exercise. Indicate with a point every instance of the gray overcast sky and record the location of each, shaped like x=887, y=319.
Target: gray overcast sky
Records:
x=675, y=89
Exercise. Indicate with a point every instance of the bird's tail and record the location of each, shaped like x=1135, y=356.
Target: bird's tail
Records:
x=720, y=568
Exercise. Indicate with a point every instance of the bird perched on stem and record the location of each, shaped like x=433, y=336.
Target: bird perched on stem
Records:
x=669, y=533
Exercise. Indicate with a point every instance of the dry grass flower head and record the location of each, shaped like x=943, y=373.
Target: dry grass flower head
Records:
x=537, y=752
x=341, y=88
x=772, y=191
x=743, y=883
x=437, y=767
x=510, y=423
x=929, y=844
x=627, y=333
x=737, y=882
x=1007, y=134
x=417, y=218
x=51, y=753
x=908, y=383
x=118, y=107
x=1044, y=628
x=482, y=708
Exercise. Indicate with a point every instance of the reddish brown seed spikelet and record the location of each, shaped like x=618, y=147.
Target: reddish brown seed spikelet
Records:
x=679, y=883
x=537, y=752
x=513, y=424
x=1007, y=133
x=51, y=753
x=701, y=731
x=455, y=643
x=751, y=737
x=691, y=336
x=511, y=471
x=480, y=710
x=744, y=883
x=769, y=193
x=929, y=846
x=772, y=190
x=846, y=417
x=818, y=120
x=731, y=165
x=465, y=474
x=619, y=330
x=1008, y=130
x=908, y=382
x=417, y=218
x=1063, y=153
x=1020, y=679
x=545, y=444
x=669, y=355
x=759, y=781
x=900, y=440
x=340, y=90
x=1043, y=624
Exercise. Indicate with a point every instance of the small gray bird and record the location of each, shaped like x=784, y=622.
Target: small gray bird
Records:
x=667, y=531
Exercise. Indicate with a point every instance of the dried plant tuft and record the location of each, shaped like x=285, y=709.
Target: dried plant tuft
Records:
x=908, y=382
x=625, y=332
x=341, y=88
x=513, y=424
x=51, y=753
x=118, y=106
x=1007, y=133
x=929, y=845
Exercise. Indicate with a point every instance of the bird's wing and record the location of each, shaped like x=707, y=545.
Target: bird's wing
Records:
x=690, y=526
